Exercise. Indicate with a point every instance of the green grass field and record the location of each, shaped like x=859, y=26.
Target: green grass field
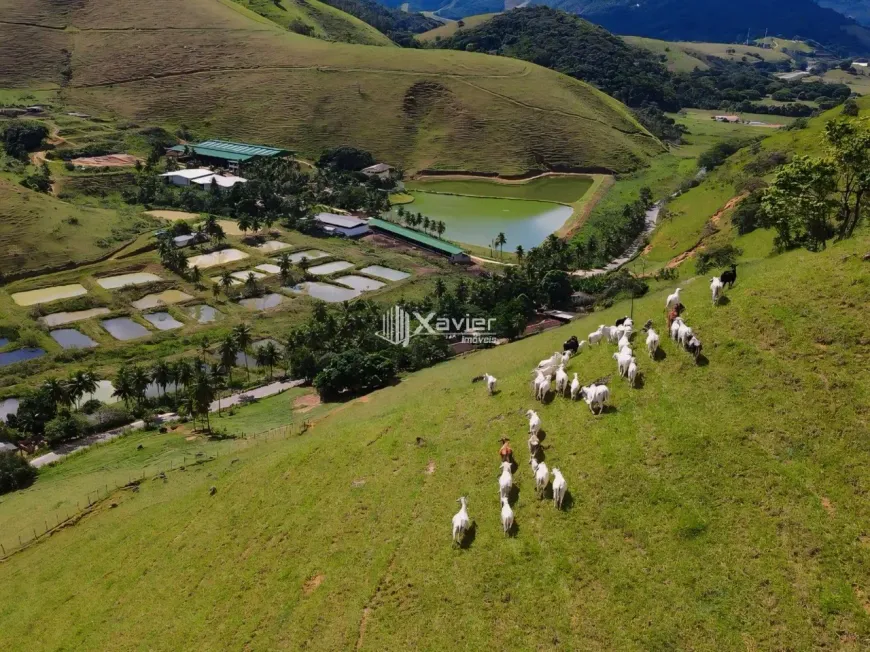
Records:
x=234, y=74
x=323, y=20
x=709, y=492
x=562, y=189
x=450, y=28
x=685, y=56
x=42, y=232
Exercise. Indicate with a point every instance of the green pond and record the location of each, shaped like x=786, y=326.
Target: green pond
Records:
x=525, y=213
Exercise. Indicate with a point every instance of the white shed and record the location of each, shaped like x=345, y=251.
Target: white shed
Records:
x=185, y=177
x=225, y=181
x=346, y=225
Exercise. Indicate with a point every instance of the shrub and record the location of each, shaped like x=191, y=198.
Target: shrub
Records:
x=353, y=372
x=15, y=473
x=65, y=427
x=721, y=256
x=22, y=137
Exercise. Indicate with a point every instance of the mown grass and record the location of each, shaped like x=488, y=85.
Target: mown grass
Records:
x=235, y=77
x=719, y=506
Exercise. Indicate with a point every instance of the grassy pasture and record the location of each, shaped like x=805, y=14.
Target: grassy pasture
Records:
x=562, y=189
x=677, y=58
x=709, y=491
x=230, y=73
x=450, y=28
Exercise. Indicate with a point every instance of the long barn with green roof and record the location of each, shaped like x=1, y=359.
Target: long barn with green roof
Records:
x=436, y=245
x=227, y=154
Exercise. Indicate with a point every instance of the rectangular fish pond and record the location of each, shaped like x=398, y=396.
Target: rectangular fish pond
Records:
x=203, y=313
x=216, y=258
x=8, y=406
x=262, y=303
x=47, y=295
x=125, y=329
x=126, y=280
x=385, y=273
x=20, y=355
x=360, y=282
x=330, y=268
x=325, y=291
x=310, y=254
x=61, y=318
x=273, y=245
x=162, y=321
x=165, y=298
x=70, y=338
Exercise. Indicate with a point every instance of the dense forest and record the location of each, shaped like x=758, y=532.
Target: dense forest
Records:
x=575, y=47
x=695, y=20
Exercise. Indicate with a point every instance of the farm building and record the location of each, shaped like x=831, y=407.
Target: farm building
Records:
x=346, y=225
x=454, y=253
x=224, y=181
x=186, y=177
x=380, y=170
x=226, y=154
x=726, y=118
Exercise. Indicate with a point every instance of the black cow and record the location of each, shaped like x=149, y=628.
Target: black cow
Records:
x=729, y=276
x=571, y=344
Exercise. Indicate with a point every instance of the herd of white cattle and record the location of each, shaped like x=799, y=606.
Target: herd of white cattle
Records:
x=596, y=395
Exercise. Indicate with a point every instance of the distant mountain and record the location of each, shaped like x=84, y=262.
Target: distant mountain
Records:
x=694, y=20
x=857, y=9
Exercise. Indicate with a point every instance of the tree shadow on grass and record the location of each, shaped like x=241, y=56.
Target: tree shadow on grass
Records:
x=469, y=536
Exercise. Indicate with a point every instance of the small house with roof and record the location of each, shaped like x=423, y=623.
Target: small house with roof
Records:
x=346, y=225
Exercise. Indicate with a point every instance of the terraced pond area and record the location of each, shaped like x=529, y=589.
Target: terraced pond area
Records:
x=216, y=258
x=330, y=268
x=47, y=295
x=325, y=291
x=126, y=280
x=20, y=355
x=70, y=338
x=165, y=298
x=61, y=318
x=475, y=211
x=125, y=329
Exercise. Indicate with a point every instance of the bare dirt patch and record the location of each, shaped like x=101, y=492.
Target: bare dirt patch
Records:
x=312, y=583
x=430, y=468
x=172, y=216
x=107, y=161
x=362, y=627
x=828, y=505
x=306, y=403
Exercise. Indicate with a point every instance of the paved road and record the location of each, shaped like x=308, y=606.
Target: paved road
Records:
x=62, y=451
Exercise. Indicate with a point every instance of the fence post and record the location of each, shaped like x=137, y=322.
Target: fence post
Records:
x=4, y=549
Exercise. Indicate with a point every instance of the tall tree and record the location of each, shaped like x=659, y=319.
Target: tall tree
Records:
x=161, y=375
x=57, y=391
x=124, y=388
x=227, y=352
x=849, y=148
x=244, y=338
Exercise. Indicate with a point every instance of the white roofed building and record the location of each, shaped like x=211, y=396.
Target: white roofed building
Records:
x=346, y=225
x=186, y=177
x=224, y=181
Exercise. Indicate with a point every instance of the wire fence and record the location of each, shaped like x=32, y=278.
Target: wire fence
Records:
x=11, y=542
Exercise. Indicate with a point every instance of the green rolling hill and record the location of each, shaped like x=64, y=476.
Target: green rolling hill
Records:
x=222, y=70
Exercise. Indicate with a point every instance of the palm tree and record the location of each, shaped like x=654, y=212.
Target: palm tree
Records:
x=426, y=224
x=251, y=287
x=56, y=391
x=216, y=291
x=217, y=382
x=80, y=384
x=242, y=335
x=161, y=375
x=183, y=373
x=140, y=381
x=210, y=225
x=227, y=281
x=227, y=352
x=203, y=396
x=268, y=356
x=441, y=228
x=204, y=344
x=195, y=276
x=124, y=389
x=520, y=253
x=500, y=242
x=285, y=265
x=245, y=224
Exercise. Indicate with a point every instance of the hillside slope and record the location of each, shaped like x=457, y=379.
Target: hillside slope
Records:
x=229, y=73
x=61, y=232
x=707, y=492
x=318, y=19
